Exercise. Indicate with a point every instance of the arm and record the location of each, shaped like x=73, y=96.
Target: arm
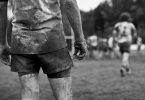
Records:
x=115, y=32
x=134, y=32
x=70, y=8
x=3, y=22
x=4, y=50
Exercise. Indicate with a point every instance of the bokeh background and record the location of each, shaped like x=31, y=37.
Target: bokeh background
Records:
x=95, y=79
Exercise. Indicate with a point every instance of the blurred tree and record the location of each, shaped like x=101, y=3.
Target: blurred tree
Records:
x=88, y=23
x=105, y=16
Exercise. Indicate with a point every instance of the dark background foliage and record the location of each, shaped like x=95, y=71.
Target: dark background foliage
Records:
x=101, y=20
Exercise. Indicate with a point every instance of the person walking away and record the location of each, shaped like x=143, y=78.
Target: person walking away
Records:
x=124, y=32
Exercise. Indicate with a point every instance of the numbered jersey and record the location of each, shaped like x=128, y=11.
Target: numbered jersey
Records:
x=124, y=32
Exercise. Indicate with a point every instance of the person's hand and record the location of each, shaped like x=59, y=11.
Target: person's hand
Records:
x=81, y=50
x=5, y=55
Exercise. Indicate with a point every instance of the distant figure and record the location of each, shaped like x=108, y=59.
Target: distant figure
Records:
x=124, y=31
x=92, y=43
x=139, y=43
x=102, y=46
x=111, y=46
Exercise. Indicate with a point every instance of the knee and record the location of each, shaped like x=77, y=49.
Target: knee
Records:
x=30, y=83
x=34, y=88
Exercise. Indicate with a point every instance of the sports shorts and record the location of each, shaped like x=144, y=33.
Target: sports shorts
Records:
x=51, y=63
x=124, y=47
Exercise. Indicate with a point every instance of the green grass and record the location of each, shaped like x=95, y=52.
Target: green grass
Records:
x=92, y=80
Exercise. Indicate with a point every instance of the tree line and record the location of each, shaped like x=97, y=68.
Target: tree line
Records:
x=101, y=20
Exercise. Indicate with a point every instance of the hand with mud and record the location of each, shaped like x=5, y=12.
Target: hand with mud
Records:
x=5, y=55
x=81, y=50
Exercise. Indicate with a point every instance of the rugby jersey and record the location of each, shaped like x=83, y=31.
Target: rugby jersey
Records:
x=124, y=31
x=37, y=26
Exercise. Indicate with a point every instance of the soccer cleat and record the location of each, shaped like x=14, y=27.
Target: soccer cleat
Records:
x=128, y=70
x=122, y=72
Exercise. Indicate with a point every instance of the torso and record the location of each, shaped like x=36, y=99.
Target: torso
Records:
x=37, y=26
x=124, y=31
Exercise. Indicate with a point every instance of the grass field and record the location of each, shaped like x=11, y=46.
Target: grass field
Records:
x=92, y=80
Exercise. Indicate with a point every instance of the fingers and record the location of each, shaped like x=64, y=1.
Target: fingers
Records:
x=80, y=57
x=80, y=54
x=77, y=55
x=80, y=50
x=76, y=52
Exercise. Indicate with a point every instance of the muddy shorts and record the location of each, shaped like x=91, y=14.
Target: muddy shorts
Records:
x=53, y=62
x=124, y=47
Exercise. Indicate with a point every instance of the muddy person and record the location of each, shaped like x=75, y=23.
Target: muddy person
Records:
x=37, y=41
x=124, y=31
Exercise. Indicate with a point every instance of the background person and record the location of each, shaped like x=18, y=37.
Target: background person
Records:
x=124, y=32
x=139, y=43
x=92, y=42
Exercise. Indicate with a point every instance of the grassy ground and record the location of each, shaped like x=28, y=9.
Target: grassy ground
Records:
x=92, y=80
